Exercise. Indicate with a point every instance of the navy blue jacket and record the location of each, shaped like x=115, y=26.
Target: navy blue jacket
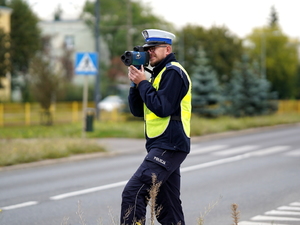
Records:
x=163, y=102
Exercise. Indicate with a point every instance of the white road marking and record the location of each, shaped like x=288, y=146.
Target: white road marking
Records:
x=215, y=163
x=122, y=183
x=271, y=150
x=289, y=208
x=185, y=169
x=24, y=204
x=201, y=150
x=293, y=153
x=295, y=204
x=257, y=223
x=275, y=215
x=282, y=213
x=274, y=218
x=236, y=150
x=89, y=190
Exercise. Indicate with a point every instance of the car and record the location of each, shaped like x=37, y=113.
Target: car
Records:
x=110, y=103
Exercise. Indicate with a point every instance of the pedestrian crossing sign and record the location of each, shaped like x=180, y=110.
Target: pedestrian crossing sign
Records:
x=86, y=63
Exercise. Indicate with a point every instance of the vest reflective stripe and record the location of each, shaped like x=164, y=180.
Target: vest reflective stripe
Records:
x=155, y=125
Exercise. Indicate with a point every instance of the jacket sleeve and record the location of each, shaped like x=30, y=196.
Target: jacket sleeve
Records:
x=166, y=100
x=135, y=102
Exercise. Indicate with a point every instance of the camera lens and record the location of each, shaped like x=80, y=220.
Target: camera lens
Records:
x=127, y=62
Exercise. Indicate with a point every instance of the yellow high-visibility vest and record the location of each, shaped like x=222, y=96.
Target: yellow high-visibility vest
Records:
x=156, y=125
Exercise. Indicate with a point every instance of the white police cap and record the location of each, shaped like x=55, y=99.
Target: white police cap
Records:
x=155, y=37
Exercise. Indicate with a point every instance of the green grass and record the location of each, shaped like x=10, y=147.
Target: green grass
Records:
x=201, y=126
x=25, y=144
x=133, y=129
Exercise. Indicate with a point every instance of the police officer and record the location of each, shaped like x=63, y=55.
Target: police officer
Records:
x=165, y=104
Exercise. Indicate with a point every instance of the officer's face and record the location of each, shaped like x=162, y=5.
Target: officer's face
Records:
x=158, y=53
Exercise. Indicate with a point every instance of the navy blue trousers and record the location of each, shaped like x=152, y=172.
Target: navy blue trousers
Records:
x=165, y=164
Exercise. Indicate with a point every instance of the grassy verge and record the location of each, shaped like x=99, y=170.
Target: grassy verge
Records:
x=135, y=129
x=201, y=126
x=132, y=129
x=16, y=151
x=33, y=143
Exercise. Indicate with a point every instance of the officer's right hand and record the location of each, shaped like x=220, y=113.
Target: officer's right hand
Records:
x=135, y=75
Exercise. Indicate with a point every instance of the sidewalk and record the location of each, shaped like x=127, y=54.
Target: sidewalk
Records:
x=122, y=145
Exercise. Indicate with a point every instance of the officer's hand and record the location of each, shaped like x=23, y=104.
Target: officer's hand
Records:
x=135, y=75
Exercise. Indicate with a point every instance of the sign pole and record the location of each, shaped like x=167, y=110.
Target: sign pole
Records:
x=84, y=105
x=97, y=93
x=86, y=63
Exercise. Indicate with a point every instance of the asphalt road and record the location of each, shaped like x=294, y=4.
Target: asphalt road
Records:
x=258, y=170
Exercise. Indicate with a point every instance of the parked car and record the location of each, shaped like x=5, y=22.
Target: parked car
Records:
x=111, y=102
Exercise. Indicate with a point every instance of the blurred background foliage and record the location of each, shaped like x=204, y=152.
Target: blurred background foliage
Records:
x=231, y=76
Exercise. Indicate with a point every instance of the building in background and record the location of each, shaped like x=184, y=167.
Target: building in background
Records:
x=5, y=79
x=73, y=36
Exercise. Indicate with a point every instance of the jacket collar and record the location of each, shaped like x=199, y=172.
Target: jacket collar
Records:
x=163, y=63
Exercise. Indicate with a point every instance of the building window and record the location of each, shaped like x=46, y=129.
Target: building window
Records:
x=69, y=41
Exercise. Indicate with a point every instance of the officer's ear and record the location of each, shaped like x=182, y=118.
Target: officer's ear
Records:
x=169, y=49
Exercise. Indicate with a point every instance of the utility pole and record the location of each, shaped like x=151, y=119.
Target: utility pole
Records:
x=129, y=25
x=97, y=95
x=263, y=55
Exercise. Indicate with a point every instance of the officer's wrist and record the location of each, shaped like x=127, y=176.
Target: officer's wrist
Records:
x=133, y=85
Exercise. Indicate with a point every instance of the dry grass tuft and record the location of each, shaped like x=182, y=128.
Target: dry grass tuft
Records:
x=235, y=214
x=65, y=221
x=110, y=213
x=80, y=214
x=127, y=213
x=152, y=201
x=207, y=211
x=155, y=211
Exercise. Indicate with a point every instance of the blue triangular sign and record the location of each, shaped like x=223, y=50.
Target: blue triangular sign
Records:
x=86, y=63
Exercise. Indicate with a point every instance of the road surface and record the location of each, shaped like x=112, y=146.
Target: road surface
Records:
x=259, y=171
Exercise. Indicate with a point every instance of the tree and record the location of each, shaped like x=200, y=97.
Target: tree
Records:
x=121, y=23
x=4, y=54
x=221, y=46
x=58, y=13
x=68, y=63
x=273, y=22
x=25, y=40
x=278, y=57
x=44, y=82
x=206, y=90
x=25, y=35
x=247, y=93
x=298, y=83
